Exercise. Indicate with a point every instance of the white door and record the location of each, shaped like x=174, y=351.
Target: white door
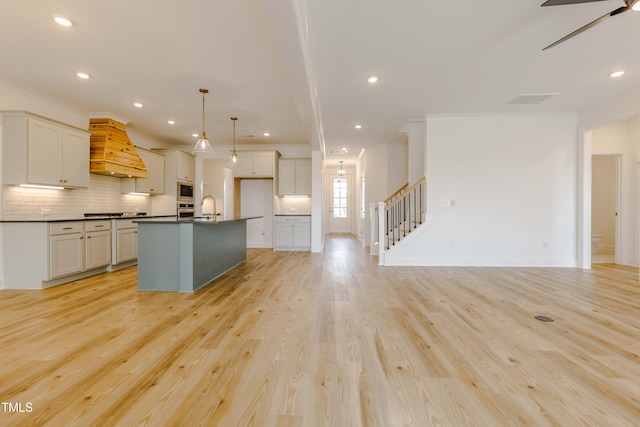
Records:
x=340, y=204
x=256, y=199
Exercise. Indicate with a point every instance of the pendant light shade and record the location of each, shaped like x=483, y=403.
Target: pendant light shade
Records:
x=233, y=157
x=202, y=145
x=340, y=171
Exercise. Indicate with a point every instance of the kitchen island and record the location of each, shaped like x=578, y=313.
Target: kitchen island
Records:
x=183, y=255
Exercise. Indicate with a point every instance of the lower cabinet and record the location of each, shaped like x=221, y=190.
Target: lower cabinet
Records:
x=97, y=243
x=293, y=233
x=66, y=249
x=125, y=244
x=39, y=255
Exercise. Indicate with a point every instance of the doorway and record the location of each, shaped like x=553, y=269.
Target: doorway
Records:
x=340, y=206
x=605, y=208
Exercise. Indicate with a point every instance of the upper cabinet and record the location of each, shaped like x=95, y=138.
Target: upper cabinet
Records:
x=256, y=164
x=185, y=167
x=44, y=152
x=294, y=177
x=154, y=182
x=178, y=166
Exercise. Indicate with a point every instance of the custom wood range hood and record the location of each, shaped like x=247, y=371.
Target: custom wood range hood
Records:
x=112, y=152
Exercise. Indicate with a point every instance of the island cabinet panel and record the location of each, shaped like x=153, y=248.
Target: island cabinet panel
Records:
x=185, y=255
x=43, y=152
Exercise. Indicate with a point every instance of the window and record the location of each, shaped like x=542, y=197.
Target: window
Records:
x=339, y=198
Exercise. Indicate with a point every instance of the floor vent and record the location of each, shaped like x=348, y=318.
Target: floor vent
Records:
x=530, y=98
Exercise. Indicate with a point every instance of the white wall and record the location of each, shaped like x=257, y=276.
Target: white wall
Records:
x=513, y=180
x=317, y=202
x=415, y=131
x=385, y=169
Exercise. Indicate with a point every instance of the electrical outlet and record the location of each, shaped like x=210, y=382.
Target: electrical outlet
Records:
x=46, y=212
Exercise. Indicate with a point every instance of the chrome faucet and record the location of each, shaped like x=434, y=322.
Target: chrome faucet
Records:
x=214, y=204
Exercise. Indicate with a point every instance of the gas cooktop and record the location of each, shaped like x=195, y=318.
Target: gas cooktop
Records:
x=114, y=214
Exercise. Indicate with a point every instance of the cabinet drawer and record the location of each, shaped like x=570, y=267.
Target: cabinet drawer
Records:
x=293, y=219
x=65, y=227
x=125, y=223
x=97, y=225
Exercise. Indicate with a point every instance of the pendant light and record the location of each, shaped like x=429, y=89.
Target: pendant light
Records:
x=233, y=157
x=203, y=146
x=340, y=171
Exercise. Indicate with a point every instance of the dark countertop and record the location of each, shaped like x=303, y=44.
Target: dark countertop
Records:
x=193, y=220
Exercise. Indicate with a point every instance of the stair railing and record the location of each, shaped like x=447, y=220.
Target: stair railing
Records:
x=391, y=221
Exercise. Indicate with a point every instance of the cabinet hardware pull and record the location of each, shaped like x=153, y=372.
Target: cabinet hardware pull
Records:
x=88, y=237
x=100, y=225
x=82, y=237
x=67, y=228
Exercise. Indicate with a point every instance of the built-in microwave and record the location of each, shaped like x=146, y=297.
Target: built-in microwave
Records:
x=185, y=192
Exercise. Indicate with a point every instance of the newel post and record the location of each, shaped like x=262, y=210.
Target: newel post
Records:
x=381, y=234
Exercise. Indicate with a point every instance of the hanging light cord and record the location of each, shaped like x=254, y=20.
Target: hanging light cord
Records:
x=203, y=92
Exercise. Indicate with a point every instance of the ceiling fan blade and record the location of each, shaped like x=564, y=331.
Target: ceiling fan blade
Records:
x=563, y=2
x=589, y=25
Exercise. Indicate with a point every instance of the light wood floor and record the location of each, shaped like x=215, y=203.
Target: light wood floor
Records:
x=328, y=340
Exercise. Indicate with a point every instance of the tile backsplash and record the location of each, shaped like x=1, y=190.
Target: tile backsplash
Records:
x=293, y=205
x=103, y=195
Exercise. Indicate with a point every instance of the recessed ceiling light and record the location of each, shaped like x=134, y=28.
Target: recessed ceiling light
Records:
x=171, y=122
x=195, y=135
x=62, y=20
x=373, y=79
x=266, y=134
x=358, y=126
x=137, y=104
x=616, y=74
x=82, y=75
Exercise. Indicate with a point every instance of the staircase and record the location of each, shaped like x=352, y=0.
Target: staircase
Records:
x=396, y=217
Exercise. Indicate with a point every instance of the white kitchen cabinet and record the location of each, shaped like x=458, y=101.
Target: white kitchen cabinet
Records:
x=44, y=152
x=256, y=164
x=125, y=241
x=66, y=249
x=178, y=166
x=78, y=246
x=97, y=244
x=185, y=167
x=293, y=233
x=294, y=177
x=39, y=255
x=154, y=182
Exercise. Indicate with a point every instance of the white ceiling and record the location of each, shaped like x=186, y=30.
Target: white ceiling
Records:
x=298, y=68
